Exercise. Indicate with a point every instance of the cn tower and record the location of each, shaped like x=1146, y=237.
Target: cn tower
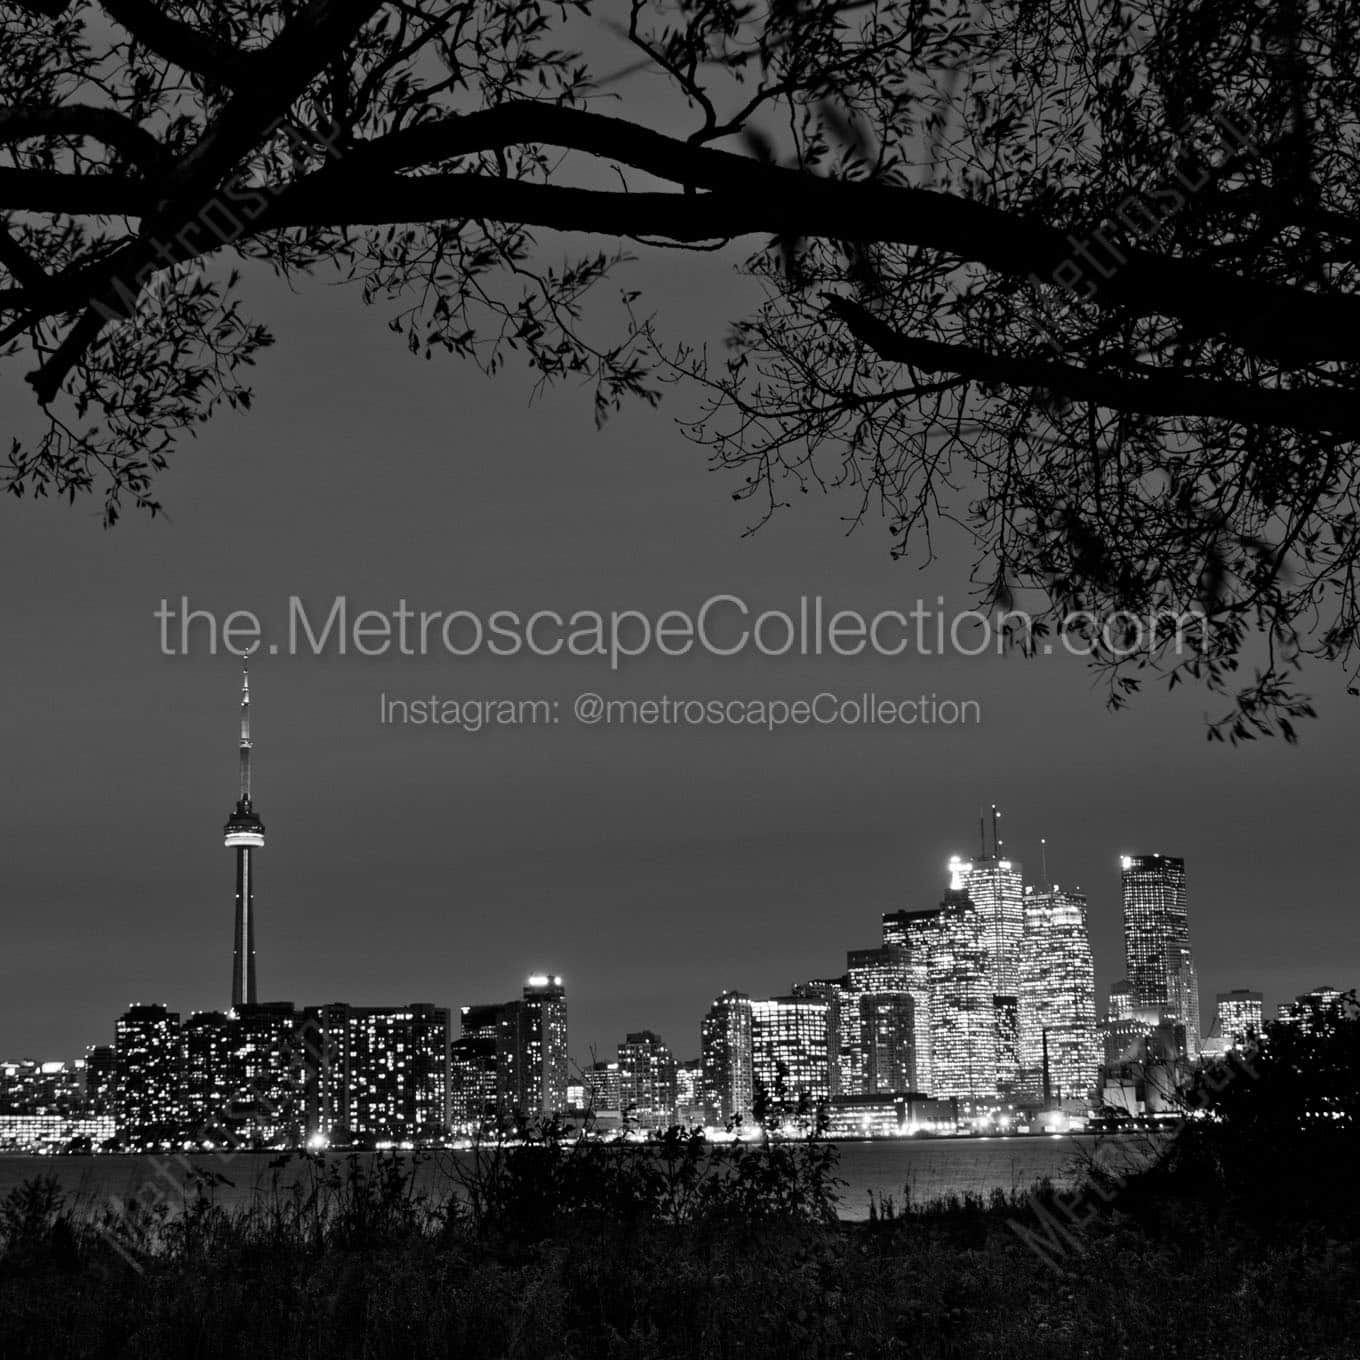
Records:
x=244, y=833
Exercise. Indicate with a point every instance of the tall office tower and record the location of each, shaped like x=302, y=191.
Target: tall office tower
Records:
x=531, y=1050
x=268, y=1070
x=1060, y=1054
x=324, y=1035
x=472, y=1070
x=647, y=1083
x=1239, y=1017
x=244, y=833
x=790, y=1059
x=962, y=1009
x=1121, y=1006
x=885, y=971
x=996, y=886
x=398, y=1063
x=888, y=1041
x=689, y=1093
x=1308, y=1008
x=725, y=1050
x=101, y=1078
x=208, y=1076
x=146, y=1047
x=1157, y=953
x=997, y=889
x=842, y=1030
x=917, y=932
x=603, y=1087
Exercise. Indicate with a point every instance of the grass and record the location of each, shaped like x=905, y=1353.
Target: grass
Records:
x=667, y=1252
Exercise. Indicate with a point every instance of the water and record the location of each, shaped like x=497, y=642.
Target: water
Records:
x=931, y=1168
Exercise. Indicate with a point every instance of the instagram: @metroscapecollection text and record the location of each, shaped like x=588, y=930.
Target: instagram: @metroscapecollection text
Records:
x=769, y=714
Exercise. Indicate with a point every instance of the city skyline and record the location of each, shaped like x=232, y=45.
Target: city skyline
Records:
x=991, y=882
x=659, y=842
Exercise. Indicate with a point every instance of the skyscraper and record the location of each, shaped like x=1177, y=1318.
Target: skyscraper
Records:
x=647, y=1082
x=376, y=1073
x=1060, y=1054
x=962, y=1011
x=244, y=833
x=1239, y=1016
x=996, y=887
x=148, y=1075
x=1161, y=968
x=917, y=932
x=725, y=1042
x=790, y=1054
x=531, y=1050
x=472, y=1070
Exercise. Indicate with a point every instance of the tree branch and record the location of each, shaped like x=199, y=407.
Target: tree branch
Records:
x=1312, y=410
x=108, y=126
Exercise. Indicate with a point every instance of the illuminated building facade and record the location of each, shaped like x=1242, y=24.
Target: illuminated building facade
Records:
x=916, y=932
x=689, y=1093
x=207, y=1074
x=790, y=1049
x=725, y=1040
x=101, y=1076
x=962, y=1010
x=843, y=1041
x=376, y=1074
x=995, y=885
x=1059, y=1052
x=1239, y=1017
x=887, y=1024
x=647, y=1083
x=603, y=1087
x=473, y=1102
x=532, y=1050
x=1157, y=953
x=147, y=1056
x=244, y=833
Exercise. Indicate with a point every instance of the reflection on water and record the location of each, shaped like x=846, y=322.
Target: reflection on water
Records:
x=928, y=1168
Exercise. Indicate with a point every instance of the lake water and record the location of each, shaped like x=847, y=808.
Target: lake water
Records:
x=932, y=1168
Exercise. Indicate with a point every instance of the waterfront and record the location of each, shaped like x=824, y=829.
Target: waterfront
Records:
x=929, y=1168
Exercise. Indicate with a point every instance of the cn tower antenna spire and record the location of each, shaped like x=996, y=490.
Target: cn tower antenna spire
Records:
x=245, y=732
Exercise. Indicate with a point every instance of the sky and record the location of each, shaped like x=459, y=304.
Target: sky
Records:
x=651, y=868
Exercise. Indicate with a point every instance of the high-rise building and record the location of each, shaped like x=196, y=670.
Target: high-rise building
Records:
x=208, y=1076
x=1239, y=1017
x=790, y=1056
x=603, y=1087
x=1121, y=1004
x=1059, y=1051
x=1157, y=954
x=376, y=1074
x=843, y=1041
x=148, y=1080
x=689, y=1093
x=532, y=1050
x=101, y=1079
x=472, y=1070
x=647, y=1084
x=917, y=933
x=962, y=1006
x=887, y=1024
x=268, y=1072
x=244, y=833
x=1307, y=1008
x=995, y=885
x=725, y=1041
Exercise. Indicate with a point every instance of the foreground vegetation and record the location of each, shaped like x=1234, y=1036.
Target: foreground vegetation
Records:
x=1240, y=1243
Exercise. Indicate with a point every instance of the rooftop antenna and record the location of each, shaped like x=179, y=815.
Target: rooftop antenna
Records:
x=1043, y=857
x=982, y=836
x=996, y=839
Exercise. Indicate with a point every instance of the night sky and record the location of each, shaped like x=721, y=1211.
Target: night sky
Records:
x=651, y=868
